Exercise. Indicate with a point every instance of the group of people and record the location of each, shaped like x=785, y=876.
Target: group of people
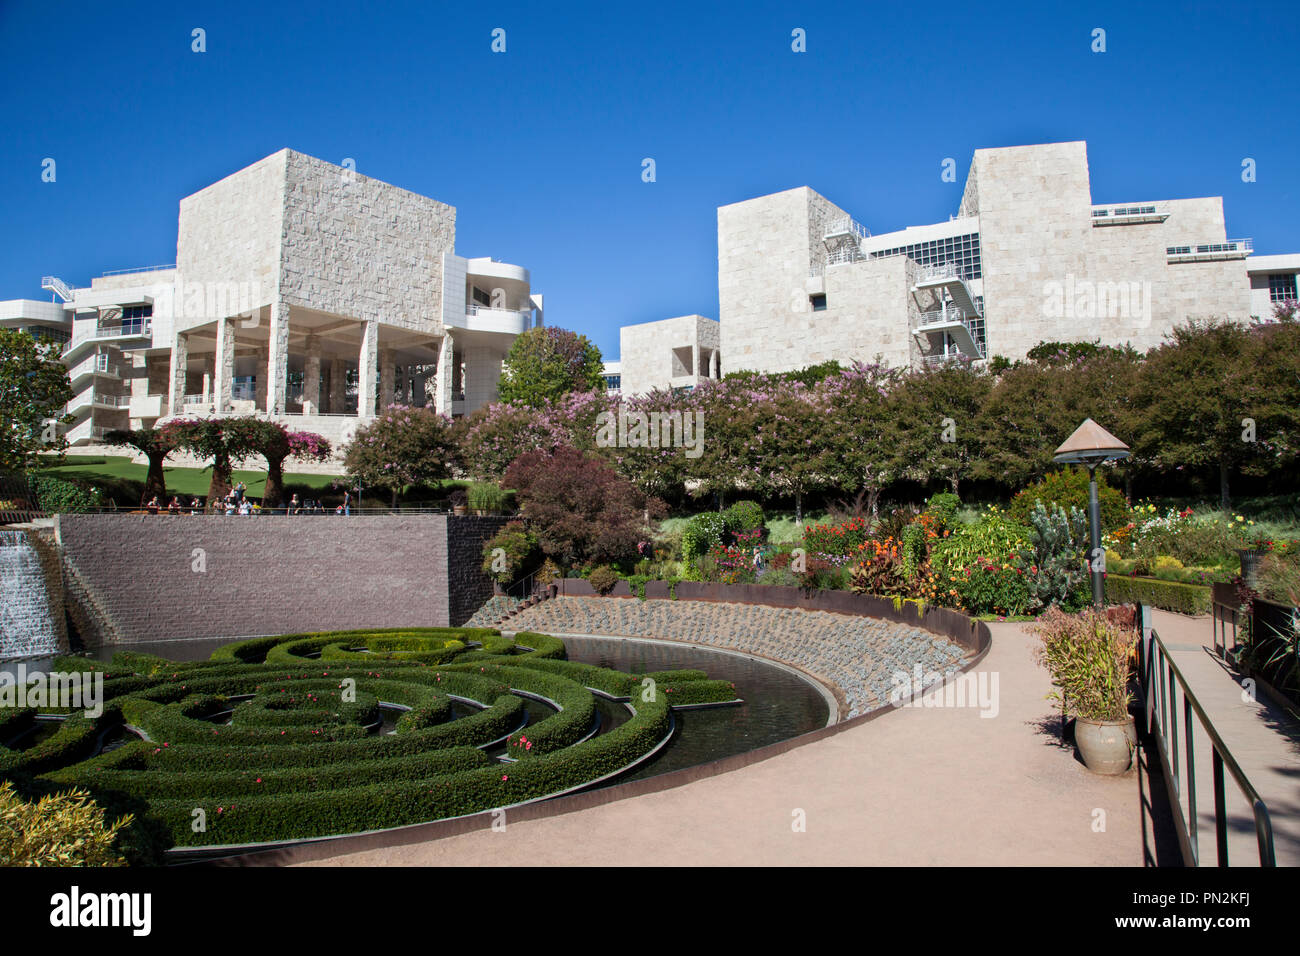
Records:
x=237, y=502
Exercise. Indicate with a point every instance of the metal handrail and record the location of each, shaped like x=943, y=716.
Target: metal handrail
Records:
x=127, y=272
x=1154, y=689
x=1221, y=626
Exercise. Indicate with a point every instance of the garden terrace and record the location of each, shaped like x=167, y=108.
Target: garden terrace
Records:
x=313, y=735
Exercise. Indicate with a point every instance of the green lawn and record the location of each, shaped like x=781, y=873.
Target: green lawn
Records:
x=120, y=474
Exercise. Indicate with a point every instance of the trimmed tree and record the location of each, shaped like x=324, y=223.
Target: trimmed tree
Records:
x=579, y=509
x=546, y=363
x=155, y=444
x=223, y=440
x=276, y=443
x=403, y=446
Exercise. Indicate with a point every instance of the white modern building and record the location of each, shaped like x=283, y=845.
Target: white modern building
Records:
x=303, y=291
x=675, y=353
x=1029, y=256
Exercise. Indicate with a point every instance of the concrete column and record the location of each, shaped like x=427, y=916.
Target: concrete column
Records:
x=209, y=366
x=368, y=369
x=277, y=364
x=695, y=359
x=223, y=378
x=176, y=381
x=311, y=378
x=338, y=385
x=717, y=363
x=260, y=378
x=387, y=377
x=442, y=386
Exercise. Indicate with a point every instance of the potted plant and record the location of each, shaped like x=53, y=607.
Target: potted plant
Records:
x=1089, y=660
x=459, y=501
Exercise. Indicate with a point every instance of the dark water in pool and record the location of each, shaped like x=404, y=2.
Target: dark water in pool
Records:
x=777, y=704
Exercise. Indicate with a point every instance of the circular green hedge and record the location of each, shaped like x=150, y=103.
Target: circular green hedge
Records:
x=276, y=738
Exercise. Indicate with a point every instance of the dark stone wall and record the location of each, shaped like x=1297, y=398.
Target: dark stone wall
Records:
x=468, y=587
x=163, y=577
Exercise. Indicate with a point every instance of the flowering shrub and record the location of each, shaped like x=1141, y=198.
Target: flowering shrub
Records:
x=978, y=567
x=837, y=540
x=881, y=569
x=701, y=533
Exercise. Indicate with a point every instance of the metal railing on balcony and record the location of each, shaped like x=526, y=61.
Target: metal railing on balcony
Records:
x=126, y=329
x=474, y=308
x=114, y=401
x=127, y=272
x=845, y=226
x=844, y=254
x=1160, y=681
x=939, y=270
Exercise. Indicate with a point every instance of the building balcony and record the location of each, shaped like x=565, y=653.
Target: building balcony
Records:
x=1127, y=215
x=1211, y=251
x=482, y=318
x=145, y=406
x=94, y=365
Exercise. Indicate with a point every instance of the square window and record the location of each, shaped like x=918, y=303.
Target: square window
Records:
x=818, y=302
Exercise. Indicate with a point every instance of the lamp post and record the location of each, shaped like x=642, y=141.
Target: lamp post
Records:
x=1090, y=445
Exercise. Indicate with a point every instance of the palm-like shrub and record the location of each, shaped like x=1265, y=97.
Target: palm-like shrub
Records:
x=66, y=829
x=1088, y=658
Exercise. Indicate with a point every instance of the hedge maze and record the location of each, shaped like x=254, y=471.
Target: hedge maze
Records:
x=285, y=738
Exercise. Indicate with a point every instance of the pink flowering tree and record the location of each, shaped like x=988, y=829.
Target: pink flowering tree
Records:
x=403, y=446
x=276, y=443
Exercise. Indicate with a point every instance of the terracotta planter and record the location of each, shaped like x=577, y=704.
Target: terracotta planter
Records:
x=459, y=510
x=1107, y=746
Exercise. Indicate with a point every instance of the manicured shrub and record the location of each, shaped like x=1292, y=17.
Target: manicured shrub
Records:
x=60, y=496
x=603, y=579
x=509, y=552
x=744, y=515
x=1068, y=488
x=1167, y=595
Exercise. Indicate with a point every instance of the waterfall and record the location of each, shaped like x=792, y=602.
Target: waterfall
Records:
x=26, y=629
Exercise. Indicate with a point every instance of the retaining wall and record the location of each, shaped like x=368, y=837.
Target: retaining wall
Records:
x=163, y=577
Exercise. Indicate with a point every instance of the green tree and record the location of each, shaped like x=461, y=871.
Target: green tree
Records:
x=1198, y=392
x=546, y=363
x=155, y=444
x=1023, y=421
x=858, y=430
x=403, y=446
x=936, y=411
x=34, y=389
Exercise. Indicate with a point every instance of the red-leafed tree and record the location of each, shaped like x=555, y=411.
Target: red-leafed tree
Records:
x=580, y=510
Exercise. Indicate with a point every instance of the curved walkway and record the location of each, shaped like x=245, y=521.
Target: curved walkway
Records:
x=919, y=786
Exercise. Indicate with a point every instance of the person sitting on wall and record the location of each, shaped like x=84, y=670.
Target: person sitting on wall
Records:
x=196, y=507
x=174, y=506
x=294, y=505
x=230, y=506
x=153, y=506
x=245, y=507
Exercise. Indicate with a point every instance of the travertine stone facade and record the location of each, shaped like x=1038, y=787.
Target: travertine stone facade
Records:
x=1054, y=267
x=670, y=353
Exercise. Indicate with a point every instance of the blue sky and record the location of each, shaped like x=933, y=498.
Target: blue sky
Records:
x=540, y=148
